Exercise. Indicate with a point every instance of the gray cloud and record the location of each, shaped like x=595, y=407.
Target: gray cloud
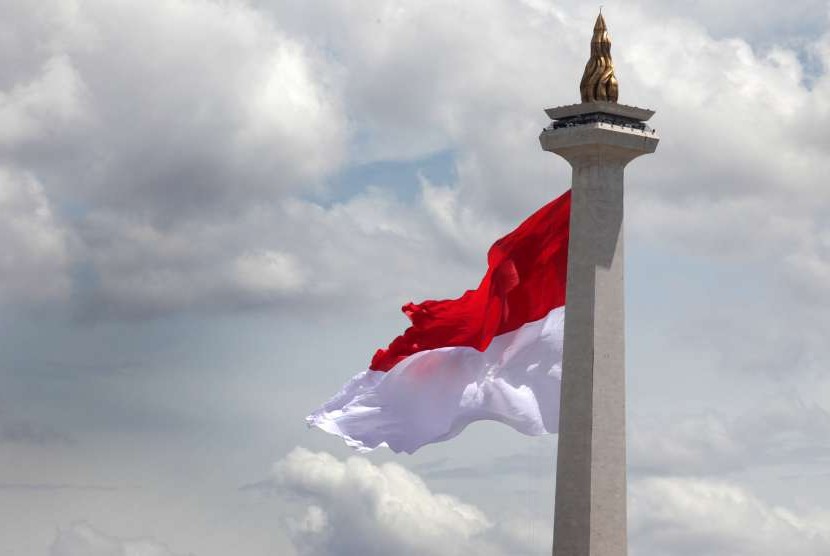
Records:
x=179, y=105
x=714, y=518
x=781, y=430
x=54, y=487
x=522, y=463
x=761, y=21
x=16, y=431
x=82, y=539
x=186, y=144
x=149, y=127
x=34, y=265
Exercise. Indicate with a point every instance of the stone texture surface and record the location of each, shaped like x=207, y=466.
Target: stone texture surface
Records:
x=590, y=513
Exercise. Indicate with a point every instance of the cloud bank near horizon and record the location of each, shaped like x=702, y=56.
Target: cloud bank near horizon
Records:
x=355, y=507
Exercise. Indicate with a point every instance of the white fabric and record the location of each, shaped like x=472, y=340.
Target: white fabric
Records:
x=432, y=395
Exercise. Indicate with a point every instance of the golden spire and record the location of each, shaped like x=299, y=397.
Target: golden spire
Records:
x=598, y=81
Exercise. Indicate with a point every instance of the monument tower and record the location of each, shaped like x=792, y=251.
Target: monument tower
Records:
x=598, y=138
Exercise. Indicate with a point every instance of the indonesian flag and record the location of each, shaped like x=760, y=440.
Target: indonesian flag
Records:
x=494, y=353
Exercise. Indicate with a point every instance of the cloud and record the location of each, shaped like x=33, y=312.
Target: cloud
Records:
x=780, y=430
x=739, y=174
x=189, y=145
x=151, y=127
x=28, y=432
x=187, y=156
x=357, y=508
x=148, y=263
x=372, y=509
x=758, y=20
x=35, y=259
x=296, y=252
x=692, y=445
x=82, y=539
x=33, y=109
x=519, y=464
x=714, y=518
x=189, y=105
x=52, y=487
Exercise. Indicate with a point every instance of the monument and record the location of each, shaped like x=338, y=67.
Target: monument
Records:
x=598, y=138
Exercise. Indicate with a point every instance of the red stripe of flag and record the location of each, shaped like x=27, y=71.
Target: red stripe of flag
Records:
x=525, y=280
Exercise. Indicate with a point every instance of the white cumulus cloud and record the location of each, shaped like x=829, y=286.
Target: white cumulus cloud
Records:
x=354, y=507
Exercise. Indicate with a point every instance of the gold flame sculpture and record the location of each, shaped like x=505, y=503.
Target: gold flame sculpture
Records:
x=598, y=81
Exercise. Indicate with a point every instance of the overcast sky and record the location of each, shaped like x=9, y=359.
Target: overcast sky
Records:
x=211, y=212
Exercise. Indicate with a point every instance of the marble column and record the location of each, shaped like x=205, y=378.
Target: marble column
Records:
x=590, y=505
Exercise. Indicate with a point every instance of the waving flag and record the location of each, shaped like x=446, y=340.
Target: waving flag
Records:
x=494, y=353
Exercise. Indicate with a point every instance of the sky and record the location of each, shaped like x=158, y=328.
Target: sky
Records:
x=211, y=212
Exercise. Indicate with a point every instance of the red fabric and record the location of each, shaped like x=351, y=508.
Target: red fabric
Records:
x=525, y=280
